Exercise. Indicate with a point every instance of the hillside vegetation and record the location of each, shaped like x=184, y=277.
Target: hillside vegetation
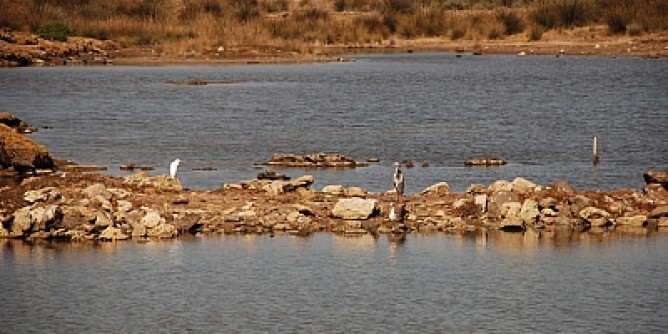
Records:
x=179, y=25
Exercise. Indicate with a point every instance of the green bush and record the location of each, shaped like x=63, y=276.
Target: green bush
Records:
x=56, y=31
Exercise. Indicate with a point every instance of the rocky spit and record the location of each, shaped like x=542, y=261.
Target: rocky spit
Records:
x=25, y=49
x=76, y=206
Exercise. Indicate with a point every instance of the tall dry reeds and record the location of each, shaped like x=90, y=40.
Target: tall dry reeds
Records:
x=295, y=23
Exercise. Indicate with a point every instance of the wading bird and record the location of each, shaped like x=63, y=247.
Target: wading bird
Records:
x=398, y=182
x=173, y=168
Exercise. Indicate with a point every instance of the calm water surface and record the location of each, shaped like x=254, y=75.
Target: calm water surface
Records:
x=327, y=283
x=538, y=113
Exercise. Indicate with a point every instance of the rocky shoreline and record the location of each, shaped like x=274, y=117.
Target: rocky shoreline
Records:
x=70, y=205
x=25, y=49
x=94, y=207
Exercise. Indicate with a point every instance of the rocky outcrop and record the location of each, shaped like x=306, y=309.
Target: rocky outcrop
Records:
x=85, y=207
x=21, y=154
x=315, y=160
x=15, y=123
x=656, y=177
x=485, y=161
x=24, y=49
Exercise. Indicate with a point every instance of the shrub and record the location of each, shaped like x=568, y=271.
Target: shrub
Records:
x=512, y=22
x=56, y=31
x=573, y=13
x=617, y=21
x=536, y=33
x=457, y=33
x=545, y=16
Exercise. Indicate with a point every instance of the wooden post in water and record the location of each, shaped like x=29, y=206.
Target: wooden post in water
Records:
x=595, y=152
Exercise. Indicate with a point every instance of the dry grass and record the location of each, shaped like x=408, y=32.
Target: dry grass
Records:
x=178, y=26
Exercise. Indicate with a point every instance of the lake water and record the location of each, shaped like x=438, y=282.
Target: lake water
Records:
x=538, y=113
x=506, y=283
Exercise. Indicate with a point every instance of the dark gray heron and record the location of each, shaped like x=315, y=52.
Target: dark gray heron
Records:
x=398, y=182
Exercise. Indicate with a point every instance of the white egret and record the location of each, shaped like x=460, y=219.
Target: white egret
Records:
x=173, y=168
x=393, y=215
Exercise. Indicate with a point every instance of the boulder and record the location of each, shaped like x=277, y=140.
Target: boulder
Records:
x=354, y=208
x=152, y=218
x=510, y=214
x=163, y=230
x=523, y=186
x=355, y=192
x=562, y=187
x=334, y=190
x=438, y=189
x=529, y=212
x=497, y=199
x=15, y=123
x=659, y=212
x=659, y=177
x=500, y=185
x=77, y=215
x=595, y=216
x=21, y=153
x=44, y=218
x=41, y=195
x=112, y=234
x=141, y=179
x=636, y=221
x=320, y=160
x=96, y=190
x=22, y=222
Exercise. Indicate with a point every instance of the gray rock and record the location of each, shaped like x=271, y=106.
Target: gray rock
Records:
x=354, y=208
